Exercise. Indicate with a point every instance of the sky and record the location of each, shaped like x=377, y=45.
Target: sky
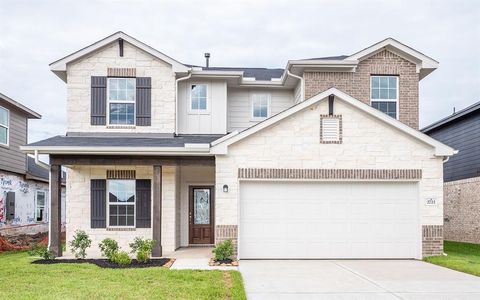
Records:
x=237, y=33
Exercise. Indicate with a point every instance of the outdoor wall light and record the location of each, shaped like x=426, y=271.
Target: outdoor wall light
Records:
x=225, y=188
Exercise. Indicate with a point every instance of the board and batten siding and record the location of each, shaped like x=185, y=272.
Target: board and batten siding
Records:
x=11, y=158
x=464, y=135
x=240, y=106
x=211, y=121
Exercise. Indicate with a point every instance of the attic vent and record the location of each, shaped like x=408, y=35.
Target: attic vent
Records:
x=330, y=129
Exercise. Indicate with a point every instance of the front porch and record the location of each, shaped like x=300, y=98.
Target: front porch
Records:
x=179, y=211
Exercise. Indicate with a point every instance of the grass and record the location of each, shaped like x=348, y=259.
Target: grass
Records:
x=463, y=257
x=85, y=281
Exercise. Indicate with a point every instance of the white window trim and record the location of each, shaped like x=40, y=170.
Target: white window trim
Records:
x=205, y=111
x=7, y=127
x=387, y=100
x=45, y=205
x=121, y=203
x=269, y=102
x=124, y=102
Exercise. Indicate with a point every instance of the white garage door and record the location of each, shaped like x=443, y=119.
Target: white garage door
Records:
x=328, y=220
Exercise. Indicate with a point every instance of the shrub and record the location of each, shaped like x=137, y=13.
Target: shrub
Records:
x=42, y=251
x=121, y=258
x=143, y=248
x=223, y=251
x=80, y=243
x=108, y=247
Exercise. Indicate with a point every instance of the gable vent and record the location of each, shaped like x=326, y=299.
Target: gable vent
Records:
x=331, y=129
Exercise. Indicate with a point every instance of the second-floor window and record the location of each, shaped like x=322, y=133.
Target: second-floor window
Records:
x=198, y=97
x=121, y=101
x=4, y=125
x=260, y=106
x=384, y=94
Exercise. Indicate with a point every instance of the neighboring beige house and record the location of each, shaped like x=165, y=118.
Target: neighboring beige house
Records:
x=23, y=181
x=322, y=159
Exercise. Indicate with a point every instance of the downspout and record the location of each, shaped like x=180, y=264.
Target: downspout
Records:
x=176, y=99
x=302, y=85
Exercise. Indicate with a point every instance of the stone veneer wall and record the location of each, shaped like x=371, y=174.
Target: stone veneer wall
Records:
x=462, y=210
x=357, y=84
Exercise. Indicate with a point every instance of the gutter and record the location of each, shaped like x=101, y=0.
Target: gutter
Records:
x=188, y=149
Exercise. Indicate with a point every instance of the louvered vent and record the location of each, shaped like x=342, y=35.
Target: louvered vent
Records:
x=331, y=129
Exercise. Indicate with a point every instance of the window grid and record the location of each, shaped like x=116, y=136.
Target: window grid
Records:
x=121, y=203
x=198, y=97
x=121, y=101
x=260, y=106
x=4, y=126
x=384, y=94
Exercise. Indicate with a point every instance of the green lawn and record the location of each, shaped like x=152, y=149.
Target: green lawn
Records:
x=463, y=257
x=22, y=280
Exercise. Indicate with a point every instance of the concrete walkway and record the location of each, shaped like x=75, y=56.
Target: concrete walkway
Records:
x=355, y=279
x=194, y=258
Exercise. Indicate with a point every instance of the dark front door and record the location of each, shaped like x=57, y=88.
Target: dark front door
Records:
x=201, y=216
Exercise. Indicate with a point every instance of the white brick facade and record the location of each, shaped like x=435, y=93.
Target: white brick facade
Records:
x=295, y=143
x=96, y=64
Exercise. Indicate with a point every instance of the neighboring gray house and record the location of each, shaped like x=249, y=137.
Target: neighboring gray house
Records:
x=321, y=159
x=461, y=173
x=24, y=185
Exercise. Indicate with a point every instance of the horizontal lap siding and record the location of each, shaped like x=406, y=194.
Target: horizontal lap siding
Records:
x=11, y=158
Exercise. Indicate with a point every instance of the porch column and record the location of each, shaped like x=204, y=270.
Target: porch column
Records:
x=56, y=209
x=157, y=211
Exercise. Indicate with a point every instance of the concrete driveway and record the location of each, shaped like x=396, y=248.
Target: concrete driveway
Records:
x=355, y=279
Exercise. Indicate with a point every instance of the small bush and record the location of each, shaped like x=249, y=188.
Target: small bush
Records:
x=121, y=258
x=42, y=251
x=80, y=243
x=108, y=247
x=223, y=251
x=143, y=248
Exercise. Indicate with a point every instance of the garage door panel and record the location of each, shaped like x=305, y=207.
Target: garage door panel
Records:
x=328, y=220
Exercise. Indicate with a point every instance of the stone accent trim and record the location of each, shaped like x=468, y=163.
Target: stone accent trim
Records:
x=120, y=174
x=340, y=130
x=121, y=72
x=227, y=232
x=461, y=207
x=363, y=174
x=432, y=240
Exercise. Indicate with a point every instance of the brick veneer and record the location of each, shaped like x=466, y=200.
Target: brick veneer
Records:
x=121, y=72
x=357, y=84
x=462, y=210
x=366, y=174
x=432, y=240
x=226, y=232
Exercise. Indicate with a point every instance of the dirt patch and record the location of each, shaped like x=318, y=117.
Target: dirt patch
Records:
x=223, y=263
x=105, y=263
x=227, y=281
x=24, y=241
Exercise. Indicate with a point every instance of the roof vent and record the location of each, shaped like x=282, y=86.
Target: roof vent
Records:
x=207, y=60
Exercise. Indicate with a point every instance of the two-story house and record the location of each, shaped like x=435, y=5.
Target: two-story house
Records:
x=24, y=182
x=461, y=173
x=322, y=159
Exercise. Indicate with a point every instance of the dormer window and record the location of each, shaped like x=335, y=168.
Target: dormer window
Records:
x=384, y=94
x=260, y=106
x=4, y=125
x=198, y=97
x=121, y=101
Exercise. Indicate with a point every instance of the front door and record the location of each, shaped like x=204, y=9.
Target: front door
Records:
x=201, y=215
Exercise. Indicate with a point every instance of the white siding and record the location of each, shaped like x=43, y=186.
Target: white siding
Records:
x=239, y=106
x=214, y=119
x=297, y=93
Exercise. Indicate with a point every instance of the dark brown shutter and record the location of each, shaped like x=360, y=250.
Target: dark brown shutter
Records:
x=98, y=109
x=143, y=204
x=144, y=101
x=98, y=205
x=10, y=206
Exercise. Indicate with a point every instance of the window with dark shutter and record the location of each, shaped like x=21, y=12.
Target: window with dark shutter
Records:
x=98, y=195
x=98, y=110
x=144, y=101
x=143, y=203
x=10, y=206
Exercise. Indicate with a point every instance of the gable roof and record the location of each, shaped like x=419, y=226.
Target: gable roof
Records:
x=59, y=67
x=466, y=111
x=220, y=146
x=31, y=114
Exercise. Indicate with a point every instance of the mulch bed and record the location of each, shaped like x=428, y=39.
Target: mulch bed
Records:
x=223, y=263
x=105, y=263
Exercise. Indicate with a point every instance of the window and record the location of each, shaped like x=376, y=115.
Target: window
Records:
x=198, y=97
x=121, y=203
x=384, y=94
x=260, y=106
x=121, y=101
x=4, y=122
x=40, y=212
